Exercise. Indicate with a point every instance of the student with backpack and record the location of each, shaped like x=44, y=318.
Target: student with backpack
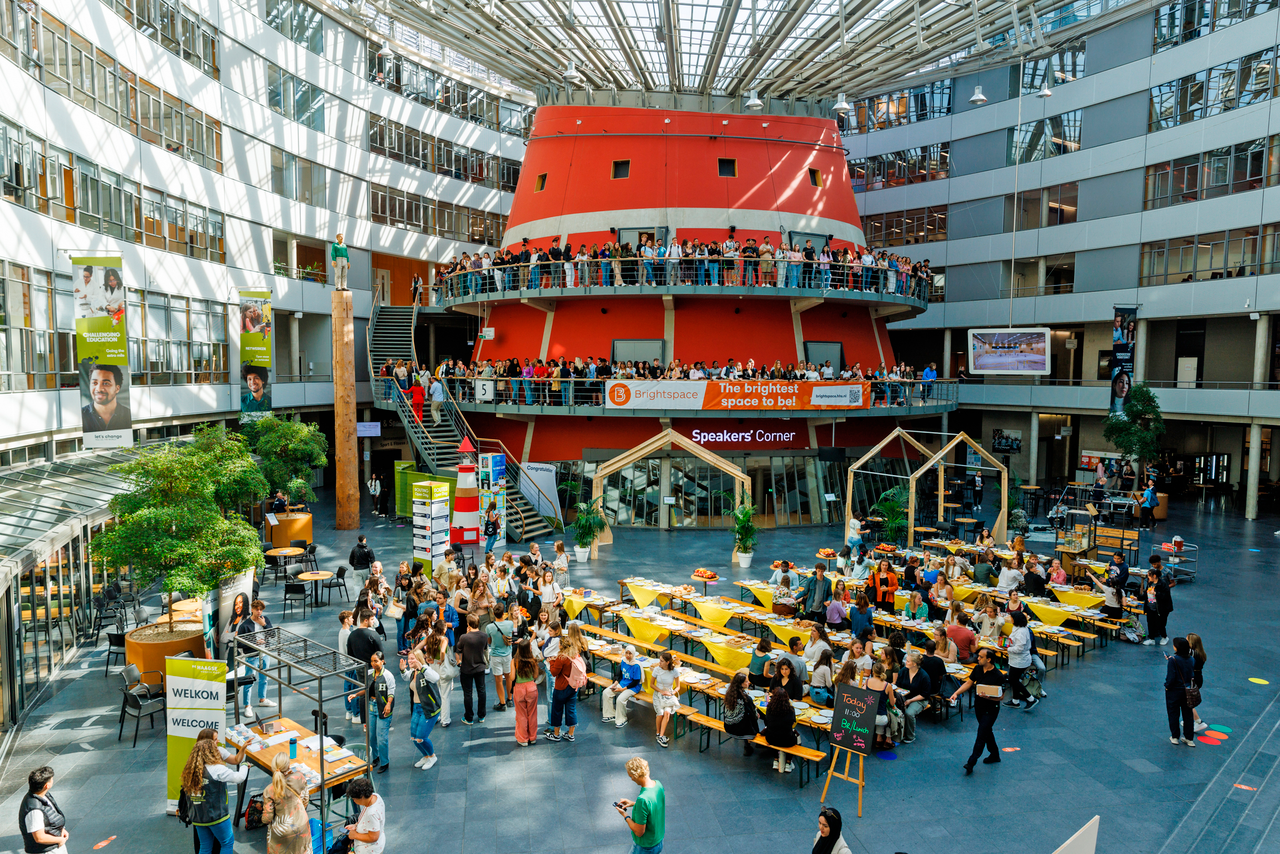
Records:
x=500, y=632
x=570, y=673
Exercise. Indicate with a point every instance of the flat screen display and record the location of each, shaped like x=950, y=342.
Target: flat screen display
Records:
x=1009, y=351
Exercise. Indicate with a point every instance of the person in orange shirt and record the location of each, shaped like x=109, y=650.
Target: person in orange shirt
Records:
x=884, y=582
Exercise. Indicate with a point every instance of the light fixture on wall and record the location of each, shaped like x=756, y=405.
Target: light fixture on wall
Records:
x=754, y=103
x=978, y=98
x=842, y=106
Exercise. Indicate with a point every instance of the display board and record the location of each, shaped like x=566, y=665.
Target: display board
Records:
x=255, y=353
x=853, y=726
x=1124, y=333
x=729, y=395
x=102, y=352
x=195, y=699
x=430, y=521
x=1009, y=351
x=493, y=493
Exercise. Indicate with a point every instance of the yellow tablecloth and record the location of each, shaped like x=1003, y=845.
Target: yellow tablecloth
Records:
x=786, y=633
x=763, y=592
x=964, y=594
x=574, y=604
x=643, y=595
x=727, y=656
x=1049, y=614
x=644, y=630
x=1078, y=598
x=712, y=612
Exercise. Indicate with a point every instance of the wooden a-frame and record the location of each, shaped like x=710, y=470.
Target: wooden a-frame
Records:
x=741, y=483
x=898, y=433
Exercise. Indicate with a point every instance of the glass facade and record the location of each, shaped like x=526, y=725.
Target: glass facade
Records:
x=1231, y=169
x=897, y=168
x=1045, y=138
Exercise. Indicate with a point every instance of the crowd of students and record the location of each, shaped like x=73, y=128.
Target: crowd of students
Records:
x=731, y=262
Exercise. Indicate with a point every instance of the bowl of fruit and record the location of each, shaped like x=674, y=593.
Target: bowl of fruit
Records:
x=827, y=554
x=705, y=574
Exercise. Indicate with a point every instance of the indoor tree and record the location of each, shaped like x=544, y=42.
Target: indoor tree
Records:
x=175, y=524
x=287, y=451
x=1136, y=432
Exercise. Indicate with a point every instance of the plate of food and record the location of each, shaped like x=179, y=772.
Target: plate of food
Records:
x=705, y=574
x=782, y=564
x=827, y=554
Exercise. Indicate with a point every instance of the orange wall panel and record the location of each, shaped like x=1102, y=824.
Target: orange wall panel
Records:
x=581, y=330
x=517, y=331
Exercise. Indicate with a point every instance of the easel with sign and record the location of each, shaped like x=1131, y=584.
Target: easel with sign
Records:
x=853, y=725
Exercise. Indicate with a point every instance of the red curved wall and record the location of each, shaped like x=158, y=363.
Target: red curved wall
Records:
x=674, y=165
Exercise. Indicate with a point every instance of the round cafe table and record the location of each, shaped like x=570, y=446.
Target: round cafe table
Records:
x=286, y=552
x=187, y=606
x=315, y=578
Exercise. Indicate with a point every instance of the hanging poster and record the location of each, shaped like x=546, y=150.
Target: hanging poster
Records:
x=235, y=595
x=195, y=699
x=102, y=351
x=255, y=354
x=1124, y=331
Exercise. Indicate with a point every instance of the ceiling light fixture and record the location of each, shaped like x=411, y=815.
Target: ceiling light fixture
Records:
x=573, y=75
x=754, y=103
x=978, y=98
x=842, y=106
x=385, y=52
x=1045, y=91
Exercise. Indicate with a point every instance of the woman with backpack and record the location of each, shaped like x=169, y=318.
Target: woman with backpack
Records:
x=569, y=671
x=1158, y=604
x=284, y=810
x=206, y=779
x=1020, y=645
x=423, y=680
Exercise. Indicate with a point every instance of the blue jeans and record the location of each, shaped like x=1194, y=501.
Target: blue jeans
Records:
x=528, y=392
x=488, y=543
x=420, y=730
x=714, y=267
x=219, y=833
x=637, y=849
x=402, y=625
x=262, y=682
x=379, y=737
x=564, y=704
x=606, y=273
x=793, y=273
x=352, y=702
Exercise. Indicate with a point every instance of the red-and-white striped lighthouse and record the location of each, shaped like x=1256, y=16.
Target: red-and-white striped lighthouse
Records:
x=465, y=529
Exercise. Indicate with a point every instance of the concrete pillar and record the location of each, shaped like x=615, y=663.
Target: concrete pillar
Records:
x=1034, y=453
x=295, y=348
x=664, y=488
x=1261, y=352
x=368, y=449
x=1275, y=457
x=1140, y=355
x=1255, y=462
x=432, y=298
x=293, y=257
x=344, y=414
x=1042, y=273
x=431, y=344
x=946, y=357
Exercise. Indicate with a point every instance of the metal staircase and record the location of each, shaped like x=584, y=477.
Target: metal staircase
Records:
x=391, y=336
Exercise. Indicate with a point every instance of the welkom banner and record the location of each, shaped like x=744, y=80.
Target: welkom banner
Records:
x=255, y=354
x=196, y=696
x=102, y=351
x=728, y=395
x=1124, y=331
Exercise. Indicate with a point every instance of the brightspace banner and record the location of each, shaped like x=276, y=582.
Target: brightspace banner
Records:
x=728, y=395
x=102, y=351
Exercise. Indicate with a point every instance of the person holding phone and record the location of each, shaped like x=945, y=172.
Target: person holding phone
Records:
x=648, y=819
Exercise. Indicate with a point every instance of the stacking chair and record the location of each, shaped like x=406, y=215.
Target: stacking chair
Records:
x=338, y=582
x=136, y=707
x=133, y=684
x=115, y=647
x=295, y=592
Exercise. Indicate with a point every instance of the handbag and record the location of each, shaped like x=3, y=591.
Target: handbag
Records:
x=341, y=845
x=395, y=611
x=253, y=813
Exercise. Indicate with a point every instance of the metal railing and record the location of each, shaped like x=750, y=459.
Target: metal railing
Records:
x=583, y=393
x=1234, y=385
x=304, y=378
x=687, y=272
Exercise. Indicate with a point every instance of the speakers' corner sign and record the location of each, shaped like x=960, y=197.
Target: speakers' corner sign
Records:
x=102, y=351
x=195, y=699
x=255, y=353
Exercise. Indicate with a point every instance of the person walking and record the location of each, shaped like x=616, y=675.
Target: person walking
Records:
x=362, y=643
x=1179, y=675
x=418, y=395
x=257, y=622
x=648, y=819
x=1020, y=661
x=569, y=672
x=381, y=693
x=829, y=839
x=500, y=632
x=1158, y=605
x=525, y=693
x=375, y=489
x=40, y=819
x=1147, y=506
x=986, y=706
x=436, y=393
x=284, y=809
x=361, y=557
x=491, y=528
x=423, y=682
x=205, y=779
x=471, y=650
x=630, y=682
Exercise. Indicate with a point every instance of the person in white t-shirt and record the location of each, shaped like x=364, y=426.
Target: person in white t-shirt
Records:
x=368, y=834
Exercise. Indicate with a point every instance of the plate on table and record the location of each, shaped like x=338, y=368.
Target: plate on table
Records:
x=694, y=677
x=821, y=718
x=755, y=693
x=722, y=689
x=954, y=668
x=798, y=704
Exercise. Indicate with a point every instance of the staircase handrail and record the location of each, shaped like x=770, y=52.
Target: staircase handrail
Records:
x=518, y=479
x=416, y=429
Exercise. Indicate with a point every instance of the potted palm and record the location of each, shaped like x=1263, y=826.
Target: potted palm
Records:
x=587, y=526
x=745, y=533
x=892, y=507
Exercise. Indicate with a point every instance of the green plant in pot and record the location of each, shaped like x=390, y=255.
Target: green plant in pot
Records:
x=177, y=525
x=1018, y=520
x=892, y=507
x=745, y=533
x=288, y=450
x=587, y=527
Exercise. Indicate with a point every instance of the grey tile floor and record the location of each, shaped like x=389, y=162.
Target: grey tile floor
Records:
x=1097, y=746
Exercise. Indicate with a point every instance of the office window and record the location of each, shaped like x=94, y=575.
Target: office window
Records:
x=294, y=98
x=297, y=22
x=1041, y=208
x=621, y=169
x=1232, y=169
x=728, y=168
x=1181, y=21
x=1045, y=138
x=1215, y=255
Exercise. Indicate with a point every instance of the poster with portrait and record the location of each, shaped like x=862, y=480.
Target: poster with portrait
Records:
x=255, y=354
x=102, y=351
x=1124, y=330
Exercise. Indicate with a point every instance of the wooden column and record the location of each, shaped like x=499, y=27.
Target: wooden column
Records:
x=345, y=452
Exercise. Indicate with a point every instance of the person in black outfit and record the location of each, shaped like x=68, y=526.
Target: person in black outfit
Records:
x=986, y=706
x=810, y=255
x=281, y=503
x=40, y=820
x=470, y=651
x=933, y=665
x=1178, y=674
x=362, y=643
x=361, y=556
x=1158, y=604
x=557, y=258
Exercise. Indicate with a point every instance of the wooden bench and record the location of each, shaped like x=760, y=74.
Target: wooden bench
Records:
x=799, y=751
x=683, y=711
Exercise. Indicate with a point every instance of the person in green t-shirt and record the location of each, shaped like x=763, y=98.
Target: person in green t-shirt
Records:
x=501, y=632
x=648, y=821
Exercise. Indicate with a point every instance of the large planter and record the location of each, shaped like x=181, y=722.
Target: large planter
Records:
x=581, y=554
x=744, y=559
x=149, y=653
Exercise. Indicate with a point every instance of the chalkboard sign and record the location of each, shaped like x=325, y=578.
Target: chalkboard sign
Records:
x=853, y=725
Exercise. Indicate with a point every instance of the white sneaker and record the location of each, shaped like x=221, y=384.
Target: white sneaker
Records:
x=1148, y=642
x=1200, y=726
x=266, y=701
x=775, y=765
x=621, y=723
x=607, y=720
x=348, y=717
x=1189, y=742
x=247, y=713
x=1173, y=740
x=431, y=760
x=790, y=767
x=1164, y=641
x=419, y=763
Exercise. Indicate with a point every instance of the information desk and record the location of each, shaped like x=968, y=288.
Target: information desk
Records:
x=335, y=770
x=290, y=527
